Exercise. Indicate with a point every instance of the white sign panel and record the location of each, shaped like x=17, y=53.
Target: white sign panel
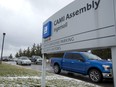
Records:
x=83, y=24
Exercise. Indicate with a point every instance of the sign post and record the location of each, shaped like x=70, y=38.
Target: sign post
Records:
x=2, y=48
x=43, y=81
x=113, y=50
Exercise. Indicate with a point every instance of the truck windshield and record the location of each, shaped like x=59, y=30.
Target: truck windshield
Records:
x=92, y=56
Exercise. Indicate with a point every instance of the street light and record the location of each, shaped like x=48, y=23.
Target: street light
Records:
x=2, y=46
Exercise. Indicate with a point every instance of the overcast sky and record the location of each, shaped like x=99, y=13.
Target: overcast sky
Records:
x=22, y=21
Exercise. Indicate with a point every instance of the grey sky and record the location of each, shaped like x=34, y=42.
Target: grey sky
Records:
x=22, y=20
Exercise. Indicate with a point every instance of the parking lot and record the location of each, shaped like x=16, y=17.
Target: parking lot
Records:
x=105, y=83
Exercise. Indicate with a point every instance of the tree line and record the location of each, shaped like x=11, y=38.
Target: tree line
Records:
x=103, y=53
x=36, y=50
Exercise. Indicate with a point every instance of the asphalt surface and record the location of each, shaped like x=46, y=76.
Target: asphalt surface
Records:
x=105, y=83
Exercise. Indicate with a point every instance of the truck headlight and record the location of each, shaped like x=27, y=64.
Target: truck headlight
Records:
x=106, y=67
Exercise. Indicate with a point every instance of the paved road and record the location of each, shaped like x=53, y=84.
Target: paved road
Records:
x=33, y=66
x=105, y=83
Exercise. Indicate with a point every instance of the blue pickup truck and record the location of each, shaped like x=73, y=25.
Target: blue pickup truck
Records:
x=83, y=63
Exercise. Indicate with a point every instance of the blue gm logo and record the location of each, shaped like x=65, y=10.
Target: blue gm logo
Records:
x=47, y=29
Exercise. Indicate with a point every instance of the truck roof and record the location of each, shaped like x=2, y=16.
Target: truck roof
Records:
x=76, y=52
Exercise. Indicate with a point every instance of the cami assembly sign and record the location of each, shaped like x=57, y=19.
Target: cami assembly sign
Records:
x=83, y=24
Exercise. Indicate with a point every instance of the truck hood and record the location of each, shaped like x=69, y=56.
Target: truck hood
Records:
x=102, y=62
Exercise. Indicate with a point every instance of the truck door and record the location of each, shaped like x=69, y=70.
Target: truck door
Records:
x=78, y=63
x=66, y=62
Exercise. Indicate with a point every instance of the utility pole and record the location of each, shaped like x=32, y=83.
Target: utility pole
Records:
x=2, y=47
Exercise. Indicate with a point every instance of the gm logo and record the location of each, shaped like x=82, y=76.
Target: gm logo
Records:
x=47, y=29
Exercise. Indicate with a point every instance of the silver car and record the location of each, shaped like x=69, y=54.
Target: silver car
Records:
x=23, y=61
x=38, y=60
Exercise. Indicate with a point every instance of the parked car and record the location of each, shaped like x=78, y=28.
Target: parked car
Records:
x=38, y=60
x=34, y=58
x=5, y=58
x=23, y=61
x=84, y=63
x=15, y=59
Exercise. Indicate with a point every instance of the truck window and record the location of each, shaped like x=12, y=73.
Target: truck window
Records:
x=68, y=56
x=77, y=57
x=92, y=56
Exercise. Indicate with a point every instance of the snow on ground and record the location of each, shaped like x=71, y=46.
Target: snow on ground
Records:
x=52, y=81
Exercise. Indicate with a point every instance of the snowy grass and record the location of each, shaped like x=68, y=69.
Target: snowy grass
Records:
x=10, y=70
x=15, y=76
x=51, y=81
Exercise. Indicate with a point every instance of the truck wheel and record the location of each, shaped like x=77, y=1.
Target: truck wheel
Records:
x=57, y=69
x=95, y=75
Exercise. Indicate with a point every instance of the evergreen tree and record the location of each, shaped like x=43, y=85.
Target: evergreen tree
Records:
x=33, y=50
x=103, y=53
x=28, y=52
x=24, y=53
x=40, y=49
x=10, y=56
x=20, y=53
x=17, y=54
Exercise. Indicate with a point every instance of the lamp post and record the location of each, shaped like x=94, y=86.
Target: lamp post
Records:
x=2, y=47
